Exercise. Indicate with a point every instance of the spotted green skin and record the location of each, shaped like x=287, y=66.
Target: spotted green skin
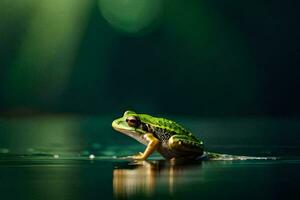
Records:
x=174, y=140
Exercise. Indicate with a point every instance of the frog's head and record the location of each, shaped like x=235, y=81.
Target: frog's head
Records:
x=132, y=125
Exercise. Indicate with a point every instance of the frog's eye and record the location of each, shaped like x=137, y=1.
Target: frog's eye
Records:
x=133, y=121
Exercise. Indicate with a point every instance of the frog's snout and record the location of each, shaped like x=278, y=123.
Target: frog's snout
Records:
x=114, y=123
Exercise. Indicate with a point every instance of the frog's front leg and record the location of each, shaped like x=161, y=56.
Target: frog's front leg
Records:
x=184, y=146
x=152, y=145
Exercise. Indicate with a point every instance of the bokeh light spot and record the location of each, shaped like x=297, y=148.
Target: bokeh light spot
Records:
x=131, y=16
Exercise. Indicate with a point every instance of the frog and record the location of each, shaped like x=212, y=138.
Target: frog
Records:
x=165, y=136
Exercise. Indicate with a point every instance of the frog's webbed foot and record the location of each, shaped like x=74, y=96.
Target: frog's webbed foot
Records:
x=152, y=145
x=139, y=156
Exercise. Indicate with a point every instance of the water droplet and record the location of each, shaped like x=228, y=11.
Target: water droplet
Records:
x=55, y=156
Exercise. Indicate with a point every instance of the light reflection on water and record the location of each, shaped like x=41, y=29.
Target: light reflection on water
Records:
x=110, y=178
x=143, y=177
x=76, y=158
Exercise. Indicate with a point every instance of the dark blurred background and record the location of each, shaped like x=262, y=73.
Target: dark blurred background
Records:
x=194, y=57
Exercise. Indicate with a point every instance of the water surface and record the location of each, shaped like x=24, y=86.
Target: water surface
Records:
x=76, y=158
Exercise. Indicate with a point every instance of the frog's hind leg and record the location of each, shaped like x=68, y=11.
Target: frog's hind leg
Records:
x=184, y=146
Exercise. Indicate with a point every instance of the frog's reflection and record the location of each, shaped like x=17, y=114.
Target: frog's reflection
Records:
x=143, y=177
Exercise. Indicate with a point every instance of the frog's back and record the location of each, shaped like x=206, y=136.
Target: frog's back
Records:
x=164, y=128
x=164, y=124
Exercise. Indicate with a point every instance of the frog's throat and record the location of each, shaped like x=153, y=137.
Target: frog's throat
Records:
x=129, y=131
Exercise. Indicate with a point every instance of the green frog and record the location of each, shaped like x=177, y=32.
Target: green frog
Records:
x=167, y=137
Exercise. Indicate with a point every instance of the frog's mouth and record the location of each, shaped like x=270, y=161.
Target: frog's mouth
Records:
x=121, y=126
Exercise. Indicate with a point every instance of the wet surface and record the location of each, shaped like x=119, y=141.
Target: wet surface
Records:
x=44, y=178
x=60, y=158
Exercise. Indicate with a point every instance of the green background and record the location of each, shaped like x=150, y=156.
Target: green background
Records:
x=195, y=57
